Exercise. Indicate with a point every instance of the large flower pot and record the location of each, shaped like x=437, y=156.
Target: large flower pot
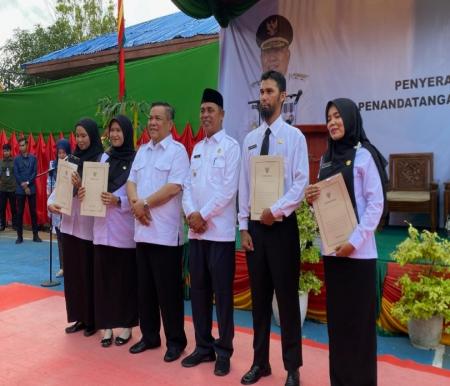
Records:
x=303, y=301
x=426, y=334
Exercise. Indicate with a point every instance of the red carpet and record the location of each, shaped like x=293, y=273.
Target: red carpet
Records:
x=35, y=350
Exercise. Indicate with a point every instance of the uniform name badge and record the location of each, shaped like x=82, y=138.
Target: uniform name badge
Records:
x=267, y=183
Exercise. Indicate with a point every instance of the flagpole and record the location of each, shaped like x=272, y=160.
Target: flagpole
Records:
x=120, y=43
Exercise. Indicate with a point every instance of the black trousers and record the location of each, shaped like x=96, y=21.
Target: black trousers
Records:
x=351, y=317
x=160, y=289
x=4, y=198
x=212, y=267
x=78, y=279
x=275, y=265
x=20, y=209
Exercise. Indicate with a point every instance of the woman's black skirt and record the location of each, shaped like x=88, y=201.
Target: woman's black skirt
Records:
x=78, y=279
x=351, y=315
x=115, y=293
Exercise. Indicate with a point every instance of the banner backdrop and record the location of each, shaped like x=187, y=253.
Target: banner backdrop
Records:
x=391, y=57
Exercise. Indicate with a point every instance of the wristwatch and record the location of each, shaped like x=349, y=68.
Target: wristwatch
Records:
x=145, y=203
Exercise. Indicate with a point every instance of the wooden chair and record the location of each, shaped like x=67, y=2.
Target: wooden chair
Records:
x=411, y=187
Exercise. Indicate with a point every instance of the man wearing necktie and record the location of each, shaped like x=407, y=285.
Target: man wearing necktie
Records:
x=273, y=247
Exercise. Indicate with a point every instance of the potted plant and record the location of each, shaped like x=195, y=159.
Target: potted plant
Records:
x=310, y=253
x=425, y=299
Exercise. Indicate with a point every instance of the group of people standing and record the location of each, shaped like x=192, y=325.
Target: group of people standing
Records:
x=125, y=269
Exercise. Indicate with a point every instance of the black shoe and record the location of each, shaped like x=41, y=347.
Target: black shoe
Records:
x=77, y=326
x=293, y=378
x=36, y=238
x=255, y=373
x=2, y=228
x=141, y=346
x=89, y=330
x=106, y=342
x=222, y=366
x=196, y=358
x=119, y=341
x=172, y=354
x=19, y=240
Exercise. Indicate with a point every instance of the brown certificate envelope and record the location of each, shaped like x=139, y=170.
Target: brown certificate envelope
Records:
x=334, y=213
x=64, y=187
x=267, y=183
x=95, y=180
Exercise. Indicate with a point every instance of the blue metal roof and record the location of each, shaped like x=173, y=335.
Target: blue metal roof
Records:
x=177, y=25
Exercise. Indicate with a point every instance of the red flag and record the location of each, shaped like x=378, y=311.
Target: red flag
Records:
x=51, y=148
x=14, y=145
x=144, y=138
x=41, y=182
x=3, y=141
x=120, y=43
x=31, y=144
x=72, y=141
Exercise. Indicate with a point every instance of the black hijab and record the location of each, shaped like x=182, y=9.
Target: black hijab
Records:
x=95, y=149
x=340, y=155
x=121, y=158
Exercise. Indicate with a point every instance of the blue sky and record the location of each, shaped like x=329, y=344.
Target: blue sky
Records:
x=25, y=14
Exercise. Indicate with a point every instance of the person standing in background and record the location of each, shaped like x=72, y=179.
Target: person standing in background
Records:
x=62, y=151
x=25, y=171
x=7, y=188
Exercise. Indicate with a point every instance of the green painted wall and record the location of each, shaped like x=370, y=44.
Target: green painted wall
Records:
x=177, y=78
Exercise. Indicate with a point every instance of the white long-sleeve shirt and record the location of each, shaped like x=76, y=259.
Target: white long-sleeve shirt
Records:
x=75, y=224
x=211, y=185
x=288, y=142
x=369, y=204
x=116, y=229
x=153, y=167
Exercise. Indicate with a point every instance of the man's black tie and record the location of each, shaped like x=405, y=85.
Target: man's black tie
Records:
x=265, y=143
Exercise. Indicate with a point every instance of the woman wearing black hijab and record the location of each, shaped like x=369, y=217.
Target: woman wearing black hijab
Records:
x=77, y=235
x=350, y=273
x=115, y=272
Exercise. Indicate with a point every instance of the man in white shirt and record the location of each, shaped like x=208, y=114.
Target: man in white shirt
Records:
x=154, y=191
x=273, y=248
x=209, y=202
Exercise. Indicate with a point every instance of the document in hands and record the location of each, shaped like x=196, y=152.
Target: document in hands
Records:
x=334, y=213
x=95, y=181
x=267, y=183
x=64, y=187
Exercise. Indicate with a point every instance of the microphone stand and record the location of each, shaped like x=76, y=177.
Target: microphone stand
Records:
x=256, y=103
x=50, y=282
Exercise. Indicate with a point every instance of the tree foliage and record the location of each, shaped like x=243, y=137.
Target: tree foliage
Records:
x=75, y=21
